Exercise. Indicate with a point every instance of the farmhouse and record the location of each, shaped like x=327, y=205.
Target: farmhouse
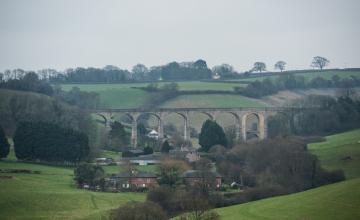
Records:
x=132, y=180
x=210, y=178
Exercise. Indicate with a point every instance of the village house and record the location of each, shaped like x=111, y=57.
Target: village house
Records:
x=135, y=180
x=210, y=178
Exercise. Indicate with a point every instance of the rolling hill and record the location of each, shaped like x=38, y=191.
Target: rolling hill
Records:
x=340, y=151
x=336, y=201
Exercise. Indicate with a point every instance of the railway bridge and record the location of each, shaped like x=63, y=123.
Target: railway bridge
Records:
x=240, y=116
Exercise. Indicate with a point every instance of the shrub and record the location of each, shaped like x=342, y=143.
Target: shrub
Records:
x=4, y=144
x=139, y=211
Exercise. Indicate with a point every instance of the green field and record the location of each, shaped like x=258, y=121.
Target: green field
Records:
x=327, y=74
x=124, y=96
x=205, y=101
x=340, y=151
x=336, y=201
x=53, y=195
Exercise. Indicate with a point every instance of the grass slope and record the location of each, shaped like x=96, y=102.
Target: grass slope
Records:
x=336, y=148
x=125, y=96
x=53, y=195
x=337, y=201
x=213, y=100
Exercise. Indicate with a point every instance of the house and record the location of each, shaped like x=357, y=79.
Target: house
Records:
x=210, y=178
x=153, y=134
x=133, y=180
x=216, y=76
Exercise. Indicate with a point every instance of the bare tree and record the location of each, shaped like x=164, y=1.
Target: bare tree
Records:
x=319, y=62
x=280, y=65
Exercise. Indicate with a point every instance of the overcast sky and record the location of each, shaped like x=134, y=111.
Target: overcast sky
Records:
x=60, y=34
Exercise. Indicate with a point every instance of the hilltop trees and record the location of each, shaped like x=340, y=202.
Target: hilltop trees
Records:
x=259, y=67
x=50, y=142
x=319, y=62
x=280, y=65
x=224, y=70
x=211, y=134
x=4, y=144
x=139, y=72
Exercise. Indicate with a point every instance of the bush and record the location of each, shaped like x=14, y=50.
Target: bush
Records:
x=89, y=174
x=4, y=144
x=139, y=211
x=148, y=150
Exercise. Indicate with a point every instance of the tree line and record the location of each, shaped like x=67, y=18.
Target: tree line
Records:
x=325, y=115
x=193, y=70
x=50, y=143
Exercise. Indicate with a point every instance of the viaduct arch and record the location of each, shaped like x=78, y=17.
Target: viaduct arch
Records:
x=240, y=115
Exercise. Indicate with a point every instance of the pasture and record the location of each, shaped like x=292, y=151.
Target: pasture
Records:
x=340, y=151
x=336, y=201
x=52, y=194
x=125, y=95
x=212, y=100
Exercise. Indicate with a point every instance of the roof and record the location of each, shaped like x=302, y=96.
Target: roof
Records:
x=153, y=132
x=139, y=174
x=200, y=174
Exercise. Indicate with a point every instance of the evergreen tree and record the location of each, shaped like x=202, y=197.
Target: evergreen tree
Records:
x=118, y=136
x=148, y=150
x=4, y=144
x=165, y=148
x=211, y=134
x=50, y=142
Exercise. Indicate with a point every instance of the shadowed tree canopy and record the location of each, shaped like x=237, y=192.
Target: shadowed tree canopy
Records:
x=211, y=134
x=4, y=144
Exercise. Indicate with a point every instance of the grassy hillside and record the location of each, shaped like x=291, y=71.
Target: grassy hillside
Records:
x=212, y=101
x=53, y=195
x=125, y=96
x=340, y=151
x=337, y=201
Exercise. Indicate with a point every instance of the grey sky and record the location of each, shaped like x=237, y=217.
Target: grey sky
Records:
x=68, y=33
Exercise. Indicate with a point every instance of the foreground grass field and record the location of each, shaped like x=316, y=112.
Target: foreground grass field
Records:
x=340, y=151
x=337, y=201
x=53, y=195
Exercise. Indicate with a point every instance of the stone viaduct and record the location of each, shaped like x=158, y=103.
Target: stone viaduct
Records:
x=240, y=117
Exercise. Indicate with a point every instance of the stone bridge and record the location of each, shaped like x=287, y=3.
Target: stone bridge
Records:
x=240, y=118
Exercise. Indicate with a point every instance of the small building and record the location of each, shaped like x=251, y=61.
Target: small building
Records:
x=153, y=134
x=104, y=161
x=216, y=76
x=134, y=180
x=210, y=178
x=143, y=160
